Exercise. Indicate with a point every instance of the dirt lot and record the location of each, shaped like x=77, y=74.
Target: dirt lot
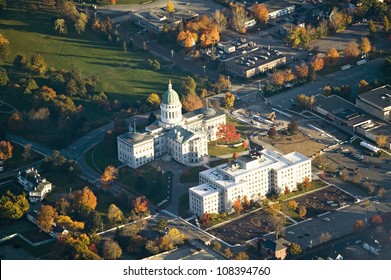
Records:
x=246, y=228
x=292, y=143
x=324, y=200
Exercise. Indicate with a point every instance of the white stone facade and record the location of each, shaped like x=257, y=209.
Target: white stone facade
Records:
x=183, y=137
x=253, y=175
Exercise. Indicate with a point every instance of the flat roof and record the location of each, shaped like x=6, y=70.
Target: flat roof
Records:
x=253, y=58
x=204, y=190
x=380, y=97
x=276, y=5
x=140, y=138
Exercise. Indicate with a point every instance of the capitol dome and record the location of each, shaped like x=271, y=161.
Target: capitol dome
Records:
x=170, y=97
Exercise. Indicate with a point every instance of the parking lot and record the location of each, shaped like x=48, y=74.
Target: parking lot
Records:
x=324, y=200
x=245, y=228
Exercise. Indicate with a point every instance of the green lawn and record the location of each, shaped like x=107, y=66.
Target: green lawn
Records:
x=123, y=76
x=102, y=157
x=17, y=160
x=239, y=125
x=290, y=213
x=216, y=151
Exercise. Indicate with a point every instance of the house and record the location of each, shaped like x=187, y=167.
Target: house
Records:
x=36, y=186
x=276, y=249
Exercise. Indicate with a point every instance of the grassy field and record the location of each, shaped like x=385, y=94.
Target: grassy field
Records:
x=216, y=151
x=123, y=76
x=17, y=160
x=101, y=157
x=191, y=175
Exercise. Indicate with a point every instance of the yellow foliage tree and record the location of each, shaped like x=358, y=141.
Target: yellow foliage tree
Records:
x=260, y=13
x=229, y=100
x=153, y=99
x=68, y=223
x=191, y=102
x=170, y=8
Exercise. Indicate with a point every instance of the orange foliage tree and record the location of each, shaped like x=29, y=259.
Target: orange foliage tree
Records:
x=205, y=218
x=318, y=63
x=260, y=13
x=278, y=78
x=359, y=225
x=205, y=28
x=332, y=56
x=227, y=133
x=140, y=205
x=85, y=198
x=187, y=38
x=46, y=217
x=5, y=150
x=110, y=173
x=191, y=102
x=237, y=206
x=301, y=70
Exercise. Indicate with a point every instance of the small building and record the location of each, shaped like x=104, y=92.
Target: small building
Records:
x=277, y=8
x=277, y=249
x=376, y=102
x=36, y=186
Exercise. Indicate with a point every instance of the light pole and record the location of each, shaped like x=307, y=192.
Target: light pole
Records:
x=204, y=67
x=172, y=54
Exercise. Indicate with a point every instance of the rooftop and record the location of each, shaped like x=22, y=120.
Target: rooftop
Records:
x=379, y=97
x=182, y=135
x=276, y=5
x=135, y=138
x=204, y=190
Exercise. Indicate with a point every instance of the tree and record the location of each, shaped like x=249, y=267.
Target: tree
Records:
x=15, y=122
x=115, y=215
x=318, y=63
x=307, y=182
x=365, y=45
x=376, y=220
x=20, y=62
x=3, y=4
x=363, y=86
x=140, y=205
x=294, y=249
x=237, y=206
x=381, y=192
x=227, y=133
x=5, y=150
x=13, y=207
x=66, y=222
x=229, y=100
x=235, y=155
x=205, y=219
x=85, y=198
x=338, y=20
x=154, y=99
x=311, y=74
x=170, y=7
x=245, y=145
x=81, y=22
x=191, y=102
x=162, y=223
x=292, y=205
x=237, y=17
x=37, y=64
x=220, y=20
x=359, y=225
x=372, y=29
x=351, y=50
x=4, y=46
x=58, y=159
x=4, y=80
x=187, y=38
x=60, y=26
x=246, y=202
x=111, y=250
x=228, y=253
x=302, y=70
x=386, y=24
x=215, y=245
x=293, y=126
x=382, y=140
x=109, y=174
x=288, y=75
x=188, y=85
x=27, y=152
x=241, y=256
x=272, y=133
x=332, y=56
x=260, y=13
x=45, y=218
x=302, y=211
x=223, y=83
x=278, y=78
x=30, y=86
x=344, y=174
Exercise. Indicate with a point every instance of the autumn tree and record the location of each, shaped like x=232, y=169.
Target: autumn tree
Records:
x=191, y=102
x=205, y=219
x=294, y=249
x=332, y=56
x=306, y=101
x=209, y=36
x=109, y=174
x=228, y=253
x=229, y=100
x=26, y=154
x=187, y=38
x=292, y=205
x=382, y=140
x=363, y=86
x=293, y=126
x=237, y=206
x=318, y=63
x=237, y=17
x=140, y=205
x=386, y=24
x=272, y=133
x=372, y=29
x=302, y=70
x=170, y=7
x=215, y=245
x=15, y=122
x=5, y=150
x=260, y=13
x=221, y=20
x=46, y=217
x=241, y=256
x=302, y=211
x=338, y=20
x=188, y=85
x=13, y=207
x=115, y=215
x=381, y=192
x=352, y=50
x=67, y=223
x=246, y=202
x=365, y=45
x=111, y=250
x=359, y=225
x=376, y=220
x=84, y=198
x=235, y=155
x=37, y=64
x=307, y=182
x=154, y=99
x=60, y=26
x=227, y=133
x=4, y=79
x=223, y=83
x=245, y=145
x=288, y=75
x=4, y=46
x=278, y=78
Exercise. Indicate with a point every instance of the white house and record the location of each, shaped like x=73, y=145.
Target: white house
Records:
x=253, y=175
x=34, y=184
